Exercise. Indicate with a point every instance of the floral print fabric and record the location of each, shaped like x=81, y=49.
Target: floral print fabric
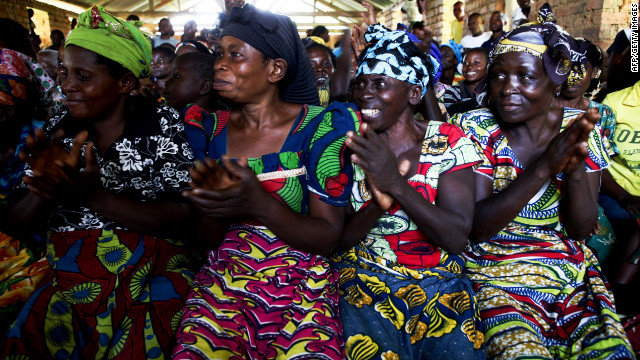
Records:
x=115, y=293
x=400, y=296
x=149, y=161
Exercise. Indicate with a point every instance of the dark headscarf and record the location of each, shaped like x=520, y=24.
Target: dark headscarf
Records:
x=542, y=39
x=276, y=36
x=583, y=52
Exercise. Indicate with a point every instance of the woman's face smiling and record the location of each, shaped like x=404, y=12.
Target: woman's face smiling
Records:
x=322, y=65
x=474, y=66
x=382, y=99
x=91, y=92
x=241, y=71
x=520, y=86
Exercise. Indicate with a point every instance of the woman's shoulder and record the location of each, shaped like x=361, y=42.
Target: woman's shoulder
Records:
x=337, y=116
x=439, y=128
x=476, y=123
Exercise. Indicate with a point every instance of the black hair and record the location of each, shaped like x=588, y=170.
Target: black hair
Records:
x=480, y=50
x=167, y=19
x=202, y=64
x=133, y=17
x=475, y=14
x=15, y=37
x=594, y=55
x=56, y=31
x=166, y=52
x=417, y=25
x=198, y=45
x=30, y=12
x=168, y=46
x=319, y=30
x=458, y=3
x=314, y=45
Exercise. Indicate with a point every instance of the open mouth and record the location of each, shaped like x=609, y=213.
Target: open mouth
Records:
x=370, y=112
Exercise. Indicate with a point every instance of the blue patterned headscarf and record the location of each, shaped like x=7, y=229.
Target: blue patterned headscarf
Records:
x=457, y=49
x=393, y=54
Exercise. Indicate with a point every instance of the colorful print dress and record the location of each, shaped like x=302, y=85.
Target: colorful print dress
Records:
x=257, y=297
x=25, y=88
x=541, y=295
x=401, y=297
x=115, y=293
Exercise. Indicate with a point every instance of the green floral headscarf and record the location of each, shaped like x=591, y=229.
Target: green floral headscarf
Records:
x=113, y=38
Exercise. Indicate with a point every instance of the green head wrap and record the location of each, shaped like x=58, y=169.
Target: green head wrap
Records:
x=113, y=38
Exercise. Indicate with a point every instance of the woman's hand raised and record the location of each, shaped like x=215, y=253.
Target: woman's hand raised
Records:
x=369, y=16
x=567, y=151
x=379, y=164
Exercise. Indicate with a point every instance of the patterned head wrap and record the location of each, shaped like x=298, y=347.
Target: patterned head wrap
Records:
x=542, y=39
x=317, y=39
x=393, y=54
x=14, y=78
x=113, y=38
x=276, y=36
x=457, y=49
x=583, y=52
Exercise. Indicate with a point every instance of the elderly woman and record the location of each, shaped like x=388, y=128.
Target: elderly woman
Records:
x=273, y=215
x=118, y=287
x=540, y=290
x=403, y=295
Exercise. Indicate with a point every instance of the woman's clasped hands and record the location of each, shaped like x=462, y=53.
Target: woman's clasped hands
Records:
x=227, y=190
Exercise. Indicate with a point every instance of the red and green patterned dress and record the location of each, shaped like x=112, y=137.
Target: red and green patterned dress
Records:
x=257, y=297
x=401, y=297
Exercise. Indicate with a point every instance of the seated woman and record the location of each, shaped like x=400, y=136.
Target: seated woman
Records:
x=468, y=94
x=118, y=286
x=270, y=218
x=402, y=291
x=541, y=293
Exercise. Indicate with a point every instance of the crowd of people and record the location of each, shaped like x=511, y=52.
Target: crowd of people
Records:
x=248, y=194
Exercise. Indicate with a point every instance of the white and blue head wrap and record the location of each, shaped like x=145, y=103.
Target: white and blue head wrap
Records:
x=393, y=54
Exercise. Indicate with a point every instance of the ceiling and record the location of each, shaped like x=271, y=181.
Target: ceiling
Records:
x=336, y=15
